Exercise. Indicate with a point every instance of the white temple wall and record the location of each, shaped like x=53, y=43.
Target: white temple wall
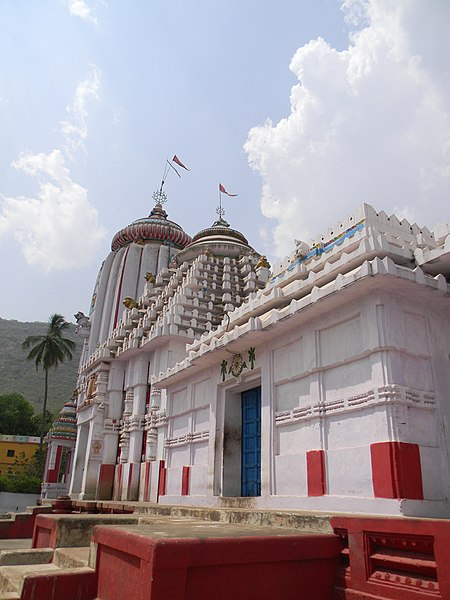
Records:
x=98, y=300
x=165, y=254
x=116, y=389
x=167, y=355
x=107, y=290
x=419, y=333
x=188, y=436
x=137, y=379
x=355, y=376
x=77, y=476
x=149, y=264
x=315, y=366
x=92, y=460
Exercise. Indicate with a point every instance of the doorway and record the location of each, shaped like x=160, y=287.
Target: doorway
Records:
x=251, y=443
x=241, y=466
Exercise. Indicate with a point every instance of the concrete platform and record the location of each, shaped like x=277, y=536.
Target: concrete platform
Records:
x=232, y=512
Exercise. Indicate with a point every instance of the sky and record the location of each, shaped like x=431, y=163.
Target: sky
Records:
x=304, y=108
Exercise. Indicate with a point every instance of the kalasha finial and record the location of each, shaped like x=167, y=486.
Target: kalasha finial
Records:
x=220, y=211
x=160, y=197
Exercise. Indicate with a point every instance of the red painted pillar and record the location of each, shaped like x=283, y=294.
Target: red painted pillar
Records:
x=53, y=470
x=316, y=472
x=396, y=470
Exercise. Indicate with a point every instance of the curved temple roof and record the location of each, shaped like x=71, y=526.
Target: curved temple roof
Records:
x=65, y=426
x=155, y=227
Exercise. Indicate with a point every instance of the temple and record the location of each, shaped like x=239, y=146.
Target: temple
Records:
x=246, y=431
x=320, y=384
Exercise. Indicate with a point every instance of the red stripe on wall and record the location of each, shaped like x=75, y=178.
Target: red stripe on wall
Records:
x=185, y=481
x=315, y=468
x=396, y=470
x=162, y=481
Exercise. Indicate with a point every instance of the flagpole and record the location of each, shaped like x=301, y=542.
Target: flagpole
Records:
x=159, y=196
x=220, y=211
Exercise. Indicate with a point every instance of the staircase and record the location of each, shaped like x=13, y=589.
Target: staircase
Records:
x=44, y=573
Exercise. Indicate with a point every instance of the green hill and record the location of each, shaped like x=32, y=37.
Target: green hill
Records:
x=19, y=375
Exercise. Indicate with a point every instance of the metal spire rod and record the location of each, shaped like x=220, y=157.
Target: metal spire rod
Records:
x=219, y=210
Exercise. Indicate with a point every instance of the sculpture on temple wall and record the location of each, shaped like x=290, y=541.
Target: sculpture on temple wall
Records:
x=130, y=302
x=150, y=278
x=83, y=324
x=263, y=262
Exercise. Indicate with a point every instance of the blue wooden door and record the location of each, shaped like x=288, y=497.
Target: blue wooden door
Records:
x=251, y=443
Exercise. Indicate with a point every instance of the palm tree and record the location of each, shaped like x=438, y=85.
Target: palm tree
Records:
x=49, y=350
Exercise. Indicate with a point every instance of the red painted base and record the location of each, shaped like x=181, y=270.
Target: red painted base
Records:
x=105, y=482
x=130, y=565
x=81, y=585
x=396, y=470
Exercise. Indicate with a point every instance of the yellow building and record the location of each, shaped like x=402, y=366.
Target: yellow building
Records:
x=11, y=448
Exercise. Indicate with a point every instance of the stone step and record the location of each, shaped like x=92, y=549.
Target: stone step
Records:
x=25, y=556
x=231, y=510
x=15, y=544
x=312, y=522
x=12, y=577
x=47, y=581
x=9, y=596
x=71, y=557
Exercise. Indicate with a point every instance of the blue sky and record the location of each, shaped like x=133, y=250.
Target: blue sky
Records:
x=305, y=108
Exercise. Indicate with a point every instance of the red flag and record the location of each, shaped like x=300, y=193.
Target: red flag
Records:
x=175, y=159
x=224, y=191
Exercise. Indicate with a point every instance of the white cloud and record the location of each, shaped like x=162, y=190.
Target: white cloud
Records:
x=80, y=8
x=367, y=124
x=75, y=128
x=58, y=229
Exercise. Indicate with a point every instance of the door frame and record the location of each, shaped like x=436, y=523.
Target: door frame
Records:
x=227, y=479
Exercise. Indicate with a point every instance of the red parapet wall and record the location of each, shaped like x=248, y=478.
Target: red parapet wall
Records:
x=20, y=526
x=81, y=585
x=44, y=534
x=393, y=559
x=131, y=565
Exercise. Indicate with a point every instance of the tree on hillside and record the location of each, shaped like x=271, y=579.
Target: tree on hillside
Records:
x=48, y=422
x=49, y=350
x=16, y=415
